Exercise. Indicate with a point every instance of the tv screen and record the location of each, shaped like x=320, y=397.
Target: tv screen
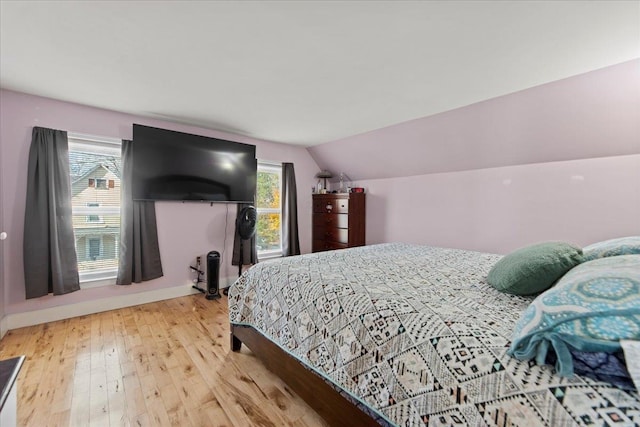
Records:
x=169, y=165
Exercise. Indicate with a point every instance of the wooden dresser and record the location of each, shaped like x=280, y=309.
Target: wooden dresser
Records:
x=338, y=221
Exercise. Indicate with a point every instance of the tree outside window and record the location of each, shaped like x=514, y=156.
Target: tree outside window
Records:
x=268, y=205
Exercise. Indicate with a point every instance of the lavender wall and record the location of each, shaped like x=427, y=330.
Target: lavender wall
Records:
x=587, y=116
x=3, y=296
x=555, y=162
x=500, y=209
x=559, y=161
x=185, y=230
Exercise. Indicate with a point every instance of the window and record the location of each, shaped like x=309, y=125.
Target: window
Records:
x=269, y=190
x=95, y=168
x=93, y=218
x=94, y=247
x=101, y=183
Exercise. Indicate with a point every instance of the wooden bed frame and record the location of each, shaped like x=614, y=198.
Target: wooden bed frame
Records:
x=323, y=398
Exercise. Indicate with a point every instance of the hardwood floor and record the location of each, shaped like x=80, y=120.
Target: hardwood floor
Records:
x=164, y=363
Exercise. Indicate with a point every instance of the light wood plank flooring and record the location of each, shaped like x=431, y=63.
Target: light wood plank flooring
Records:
x=164, y=363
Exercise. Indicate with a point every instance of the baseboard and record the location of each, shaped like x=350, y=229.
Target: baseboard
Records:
x=30, y=318
x=3, y=327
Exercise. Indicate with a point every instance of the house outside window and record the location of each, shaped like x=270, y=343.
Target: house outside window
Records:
x=95, y=168
x=269, y=208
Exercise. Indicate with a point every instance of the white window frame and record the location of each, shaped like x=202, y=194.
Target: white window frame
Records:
x=107, y=276
x=100, y=219
x=275, y=168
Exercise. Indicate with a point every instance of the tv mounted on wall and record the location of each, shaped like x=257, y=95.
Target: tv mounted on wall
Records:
x=169, y=165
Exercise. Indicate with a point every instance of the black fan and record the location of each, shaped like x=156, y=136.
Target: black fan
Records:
x=246, y=226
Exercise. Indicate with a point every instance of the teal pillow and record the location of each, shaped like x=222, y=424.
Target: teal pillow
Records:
x=614, y=247
x=590, y=309
x=533, y=269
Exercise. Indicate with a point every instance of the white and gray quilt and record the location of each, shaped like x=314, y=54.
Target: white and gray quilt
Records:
x=416, y=334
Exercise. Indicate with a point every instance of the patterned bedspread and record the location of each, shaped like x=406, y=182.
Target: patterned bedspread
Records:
x=416, y=334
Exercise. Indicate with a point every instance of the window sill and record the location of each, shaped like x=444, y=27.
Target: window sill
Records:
x=269, y=255
x=98, y=278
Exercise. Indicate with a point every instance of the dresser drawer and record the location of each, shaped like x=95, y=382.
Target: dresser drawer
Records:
x=331, y=234
x=331, y=220
x=330, y=205
x=323, y=245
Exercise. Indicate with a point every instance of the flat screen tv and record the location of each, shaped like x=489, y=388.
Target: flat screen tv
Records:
x=169, y=165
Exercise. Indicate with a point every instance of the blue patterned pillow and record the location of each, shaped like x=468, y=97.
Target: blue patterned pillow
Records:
x=590, y=309
x=614, y=247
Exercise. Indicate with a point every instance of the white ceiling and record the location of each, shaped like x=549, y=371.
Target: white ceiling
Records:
x=303, y=72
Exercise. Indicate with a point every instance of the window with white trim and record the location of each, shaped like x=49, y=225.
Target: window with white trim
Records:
x=95, y=168
x=269, y=207
x=93, y=218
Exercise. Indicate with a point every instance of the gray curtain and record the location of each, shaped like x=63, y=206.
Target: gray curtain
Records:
x=290, y=239
x=139, y=258
x=249, y=251
x=50, y=262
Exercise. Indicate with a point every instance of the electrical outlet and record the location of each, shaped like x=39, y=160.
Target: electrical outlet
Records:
x=197, y=259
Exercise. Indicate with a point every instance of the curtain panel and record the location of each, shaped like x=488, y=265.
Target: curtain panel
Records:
x=139, y=257
x=50, y=260
x=290, y=239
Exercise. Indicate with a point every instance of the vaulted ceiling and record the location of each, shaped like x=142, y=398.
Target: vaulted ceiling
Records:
x=304, y=72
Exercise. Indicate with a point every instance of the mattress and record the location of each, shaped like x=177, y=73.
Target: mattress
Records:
x=417, y=335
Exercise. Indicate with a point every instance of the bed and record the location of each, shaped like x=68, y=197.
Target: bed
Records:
x=407, y=335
